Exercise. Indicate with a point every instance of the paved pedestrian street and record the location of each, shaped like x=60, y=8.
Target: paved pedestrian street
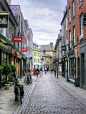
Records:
x=49, y=97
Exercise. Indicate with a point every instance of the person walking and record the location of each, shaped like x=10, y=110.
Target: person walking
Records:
x=45, y=70
x=37, y=70
x=41, y=72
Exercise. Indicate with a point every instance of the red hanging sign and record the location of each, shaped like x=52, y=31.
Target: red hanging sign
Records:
x=17, y=39
x=13, y=51
x=23, y=49
x=19, y=56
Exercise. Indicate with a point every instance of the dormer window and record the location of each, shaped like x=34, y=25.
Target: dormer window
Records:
x=44, y=51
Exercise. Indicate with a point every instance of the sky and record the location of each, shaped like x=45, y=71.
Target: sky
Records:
x=44, y=18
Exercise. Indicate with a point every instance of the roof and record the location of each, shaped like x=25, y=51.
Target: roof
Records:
x=46, y=55
x=46, y=47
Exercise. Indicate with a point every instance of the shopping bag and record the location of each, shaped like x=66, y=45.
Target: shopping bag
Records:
x=42, y=73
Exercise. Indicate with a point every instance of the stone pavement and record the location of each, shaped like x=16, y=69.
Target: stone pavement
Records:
x=50, y=97
x=8, y=105
x=76, y=91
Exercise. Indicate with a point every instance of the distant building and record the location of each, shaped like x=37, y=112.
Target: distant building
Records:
x=58, y=54
x=36, y=57
x=64, y=48
x=30, y=49
x=48, y=54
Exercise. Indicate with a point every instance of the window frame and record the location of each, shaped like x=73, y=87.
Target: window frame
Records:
x=69, y=14
x=74, y=35
x=70, y=37
x=73, y=8
x=81, y=27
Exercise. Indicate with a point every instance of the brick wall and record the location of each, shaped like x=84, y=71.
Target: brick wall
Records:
x=79, y=9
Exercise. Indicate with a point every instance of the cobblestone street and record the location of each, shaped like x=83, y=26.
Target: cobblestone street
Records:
x=50, y=97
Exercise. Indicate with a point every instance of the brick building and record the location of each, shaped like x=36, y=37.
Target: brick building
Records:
x=77, y=44
x=73, y=40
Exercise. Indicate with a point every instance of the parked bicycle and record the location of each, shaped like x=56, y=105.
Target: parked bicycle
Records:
x=18, y=90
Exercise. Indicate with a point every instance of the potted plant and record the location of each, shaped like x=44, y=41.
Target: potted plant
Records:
x=6, y=71
x=1, y=69
x=13, y=68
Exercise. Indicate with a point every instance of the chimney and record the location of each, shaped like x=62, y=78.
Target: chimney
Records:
x=51, y=45
x=9, y=2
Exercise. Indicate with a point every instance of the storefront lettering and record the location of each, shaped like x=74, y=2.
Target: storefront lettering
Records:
x=3, y=40
x=3, y=21
x=1, y=44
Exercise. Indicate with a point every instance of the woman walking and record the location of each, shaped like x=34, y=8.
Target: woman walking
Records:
x=41, y=72
x=45, y=70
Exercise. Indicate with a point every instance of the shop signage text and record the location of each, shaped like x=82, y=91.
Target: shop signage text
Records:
x=63, y=48
x=56, y=60
x=2, y=43
x=23, y=49
x=4, y=19
x=17, y=39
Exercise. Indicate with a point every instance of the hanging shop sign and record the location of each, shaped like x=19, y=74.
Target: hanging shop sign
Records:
x=63, y=48
x=4, y=15
x=57, y=60
x=17, y=39
x=13, y=51
x=19, y=56
x=23, y=49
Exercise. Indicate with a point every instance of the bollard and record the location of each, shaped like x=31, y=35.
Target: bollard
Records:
x=76, y=82
x=67, y=78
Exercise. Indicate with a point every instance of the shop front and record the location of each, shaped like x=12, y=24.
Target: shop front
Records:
x=83, y=65
x=5, y=50
x=72, y=69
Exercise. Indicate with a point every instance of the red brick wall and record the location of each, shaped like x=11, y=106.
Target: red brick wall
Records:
x=76, y=22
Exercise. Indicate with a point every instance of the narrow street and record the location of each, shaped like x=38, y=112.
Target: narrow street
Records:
x=50, y=97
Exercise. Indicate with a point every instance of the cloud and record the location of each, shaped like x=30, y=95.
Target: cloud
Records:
x=44, y=18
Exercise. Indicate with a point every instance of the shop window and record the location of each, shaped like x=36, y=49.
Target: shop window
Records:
x=3, y=58
x=72, y=68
